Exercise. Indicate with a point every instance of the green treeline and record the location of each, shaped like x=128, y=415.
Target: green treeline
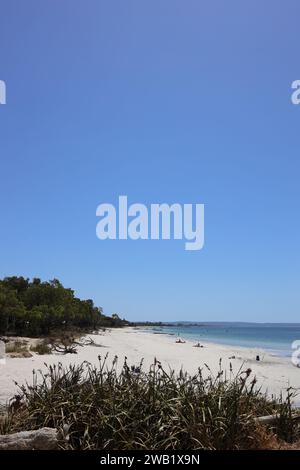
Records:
x=37, y=308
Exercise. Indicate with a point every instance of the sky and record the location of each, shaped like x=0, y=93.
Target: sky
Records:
x=165, y=102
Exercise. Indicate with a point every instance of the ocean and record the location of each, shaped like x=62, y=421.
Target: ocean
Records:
x=274, y=337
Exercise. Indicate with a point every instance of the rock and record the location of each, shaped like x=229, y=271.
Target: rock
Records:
x=40, y=439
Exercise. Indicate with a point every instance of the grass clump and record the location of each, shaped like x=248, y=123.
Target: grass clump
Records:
x=17, y=348
x=100, y=408
x=41, y=348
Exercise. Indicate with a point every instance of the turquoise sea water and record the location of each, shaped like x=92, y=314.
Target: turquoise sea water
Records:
x=276, y=338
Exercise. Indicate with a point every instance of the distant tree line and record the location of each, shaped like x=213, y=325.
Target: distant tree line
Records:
x=151, y=323
x=37, y=308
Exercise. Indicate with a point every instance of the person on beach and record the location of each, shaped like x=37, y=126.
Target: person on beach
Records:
x=179, y=340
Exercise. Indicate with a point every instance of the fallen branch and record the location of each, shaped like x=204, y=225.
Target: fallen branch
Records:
x=88, y=342
x=271, y=419
x=64, y=349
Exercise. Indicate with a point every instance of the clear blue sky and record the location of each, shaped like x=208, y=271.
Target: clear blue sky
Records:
x=163, y=101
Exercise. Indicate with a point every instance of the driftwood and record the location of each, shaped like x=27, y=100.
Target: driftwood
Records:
x=91, y=342
x=64, y=349
x=84, y=342
x=87, y=342
x=271, y=419
x=41, y=439
x=69, y=345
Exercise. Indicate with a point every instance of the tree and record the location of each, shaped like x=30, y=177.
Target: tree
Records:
x=39, y=307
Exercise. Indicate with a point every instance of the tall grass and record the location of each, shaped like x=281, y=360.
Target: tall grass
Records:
x=99, y=408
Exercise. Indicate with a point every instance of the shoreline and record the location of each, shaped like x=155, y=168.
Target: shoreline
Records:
x=274, y=373
x=273, y=351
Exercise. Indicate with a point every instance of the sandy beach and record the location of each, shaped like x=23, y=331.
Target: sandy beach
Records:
x=274, y=374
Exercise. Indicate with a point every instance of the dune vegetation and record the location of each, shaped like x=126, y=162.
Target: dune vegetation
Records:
x=112, y=407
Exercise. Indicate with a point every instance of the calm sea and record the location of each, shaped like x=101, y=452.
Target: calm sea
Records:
x=276, y=338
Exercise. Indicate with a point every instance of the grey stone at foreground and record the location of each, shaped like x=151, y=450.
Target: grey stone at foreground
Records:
x=41, y=439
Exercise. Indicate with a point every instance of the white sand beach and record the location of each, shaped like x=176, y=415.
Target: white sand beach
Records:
x=274, y=374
